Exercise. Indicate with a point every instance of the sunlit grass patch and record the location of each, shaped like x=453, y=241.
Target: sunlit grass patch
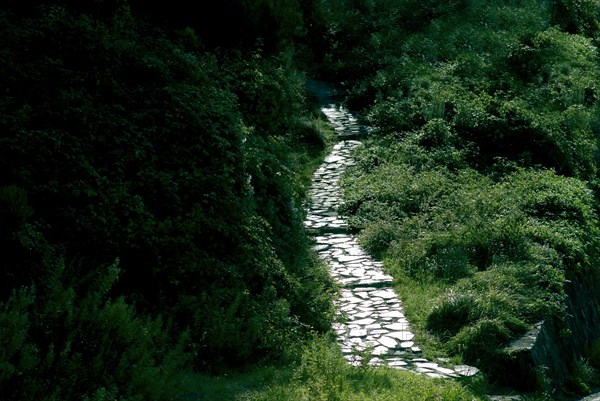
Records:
x=324, y=375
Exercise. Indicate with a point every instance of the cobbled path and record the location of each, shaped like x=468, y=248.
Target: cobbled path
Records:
x=371, y=322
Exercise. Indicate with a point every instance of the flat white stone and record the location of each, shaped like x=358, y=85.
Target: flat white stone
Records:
x=402, y=335
x=347, y=258
x=364, y=322
x=358, y=333
x=381, y=350
x=338, y=240
x=428, y=365
x=385, y=294
x=357, y=272
x=356, y=251
x=388, y=342
x=393, y=313
x=357, y=265
x=363, y=289
x=465, y=370
x=363, y=295
x=333, y=159
x=353, y=300
x=445, y=371
x=384, y=277
x=397, y=326
x=397, y=362
x=376, y=362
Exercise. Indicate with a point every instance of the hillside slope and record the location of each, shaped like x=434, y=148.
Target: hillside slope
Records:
x=479, y=183
x=150, y=197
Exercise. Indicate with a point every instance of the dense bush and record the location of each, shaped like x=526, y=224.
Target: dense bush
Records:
x=483, y=160
x=64, y=337
x=126, y=141
x=576, y=16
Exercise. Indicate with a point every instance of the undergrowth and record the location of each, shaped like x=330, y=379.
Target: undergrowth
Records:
x=480, y=175
x=323, y=375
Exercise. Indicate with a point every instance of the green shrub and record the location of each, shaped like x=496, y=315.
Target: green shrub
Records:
x=453, y=313
x=188, y=166
x=438, y=257
x=58, y=344
x=583, y=378
x=576, y=16
x=377, y=237
x=479, y=343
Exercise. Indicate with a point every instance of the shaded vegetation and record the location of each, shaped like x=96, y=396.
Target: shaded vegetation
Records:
x=482, y=170
x=150, y=199
x=322, y=374
x=154, y=160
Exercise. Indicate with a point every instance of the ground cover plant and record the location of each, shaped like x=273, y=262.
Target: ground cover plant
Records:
x=322, y=374
x=154, y=162
x=481, y=173
x=150, y=199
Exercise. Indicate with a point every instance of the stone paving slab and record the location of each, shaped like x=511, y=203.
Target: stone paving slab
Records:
x=593, y=397
x=371, y=327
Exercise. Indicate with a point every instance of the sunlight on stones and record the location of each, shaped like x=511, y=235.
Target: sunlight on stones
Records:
x=371, y=327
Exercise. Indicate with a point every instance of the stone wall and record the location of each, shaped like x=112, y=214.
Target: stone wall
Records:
x=543, y=357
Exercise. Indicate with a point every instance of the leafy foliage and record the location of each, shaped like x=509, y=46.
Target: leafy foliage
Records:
x=324, y=375
x=124, y=141
x=231, y=24
x=481, y=170
x=65, y=338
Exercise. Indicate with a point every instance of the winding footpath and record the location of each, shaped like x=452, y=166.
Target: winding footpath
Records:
x=371, y=327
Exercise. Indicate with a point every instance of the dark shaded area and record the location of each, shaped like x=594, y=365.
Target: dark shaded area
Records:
x=150, y=197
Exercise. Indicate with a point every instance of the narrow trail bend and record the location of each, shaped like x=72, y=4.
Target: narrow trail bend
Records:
x=370, y=314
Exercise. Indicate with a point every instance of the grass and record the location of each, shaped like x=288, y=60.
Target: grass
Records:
x=323, y=375
x=307, y=160
x=419, y=297
x=226, y=386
